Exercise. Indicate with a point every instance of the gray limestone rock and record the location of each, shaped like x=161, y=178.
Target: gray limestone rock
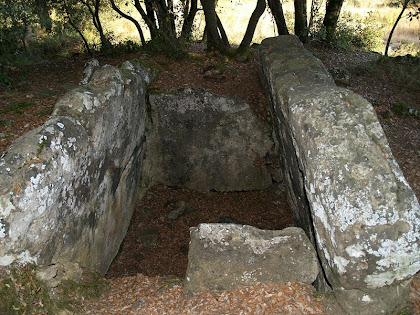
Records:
x=343, y=179
x=225, y=256
x=205, y=141
x=90, y=67
x=68, y=188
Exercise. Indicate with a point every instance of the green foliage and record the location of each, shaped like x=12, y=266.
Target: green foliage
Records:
x=171, y=47
x=353, y=31
x=405, y=109
x=5, y=79
x=122, y=48
x=22, y=293
x=16, y=18
x=17, y=107
x=45, y=112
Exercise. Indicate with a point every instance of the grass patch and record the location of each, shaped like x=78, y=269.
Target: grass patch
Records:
x=22, y=293
x=17, y=107
x=405, y=109
x=45, y=111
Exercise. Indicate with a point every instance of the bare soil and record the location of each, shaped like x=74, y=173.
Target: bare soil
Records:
x=145, y=277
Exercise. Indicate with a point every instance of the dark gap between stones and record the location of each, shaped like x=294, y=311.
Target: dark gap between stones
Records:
x=156, y=245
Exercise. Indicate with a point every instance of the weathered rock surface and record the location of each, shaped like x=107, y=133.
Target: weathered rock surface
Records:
x=69, y=187
x=225, y=256
x=343, y=178
x=204, y=141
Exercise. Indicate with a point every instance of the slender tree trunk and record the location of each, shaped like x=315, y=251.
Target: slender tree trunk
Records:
x=388, y=42
x=171, y=17
x=277, y=11
x=332, y=14
x=189, y=19
x=252, y=24
x=214, y=40
x=301, y=28
x=315, y=6
x=67, y=11
x=80, y=34
x=128, y=17
x=222, y=31
x=148, y=17
x=94, y=12
x=104, y=40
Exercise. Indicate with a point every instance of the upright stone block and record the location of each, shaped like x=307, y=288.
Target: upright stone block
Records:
x=345, y=186
x=206, y=141
x=68, y=188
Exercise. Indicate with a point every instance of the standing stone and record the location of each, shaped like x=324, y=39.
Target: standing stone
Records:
x=225, y=256
x=205, y=141
x=345, y=186
x=69, y=187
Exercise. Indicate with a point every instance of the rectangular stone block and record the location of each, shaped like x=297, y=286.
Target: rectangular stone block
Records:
x=225, y=256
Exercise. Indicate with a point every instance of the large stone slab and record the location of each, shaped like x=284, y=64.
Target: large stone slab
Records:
x=346, y=188
x=205, y=141
x=225, y=256
x=68, y=188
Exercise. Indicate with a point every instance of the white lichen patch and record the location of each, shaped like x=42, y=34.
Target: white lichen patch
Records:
x=341, y=263
x=36, y=196
x=261, y=246
x=366, y=298
x=355, y=250
x=248, y=275
x=215, y=234
x=6, y=206
x=23, y=258
x=6, y=260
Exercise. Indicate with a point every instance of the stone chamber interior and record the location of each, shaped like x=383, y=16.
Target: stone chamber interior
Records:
x=157, y=240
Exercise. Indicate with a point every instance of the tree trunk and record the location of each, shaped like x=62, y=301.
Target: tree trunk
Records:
x=388, y=42
x=67, y=10
x=301, y=29
x=148, y=17
x=277, y=11
x=222, y=32
x=104, y=40
x=128, y=17
x=94, y=12
x=315, y=6
x=252, y=24
x=332, y=14
x=214, y=40
x=189, y=19
x=80, y=34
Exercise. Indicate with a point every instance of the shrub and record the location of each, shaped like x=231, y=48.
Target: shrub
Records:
x=5, y=79
x=353, y=31
x=171, y=47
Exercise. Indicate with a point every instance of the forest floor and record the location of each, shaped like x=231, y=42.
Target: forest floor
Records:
x=145, y=278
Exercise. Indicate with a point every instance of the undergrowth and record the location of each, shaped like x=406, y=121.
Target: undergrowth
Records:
x=17, y=107
x=22, y=293
x=352, y=32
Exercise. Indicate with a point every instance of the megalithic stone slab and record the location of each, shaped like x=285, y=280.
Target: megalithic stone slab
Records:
x=225, y=256
x=68, y=188
x=346, y=188
x=204, y=141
